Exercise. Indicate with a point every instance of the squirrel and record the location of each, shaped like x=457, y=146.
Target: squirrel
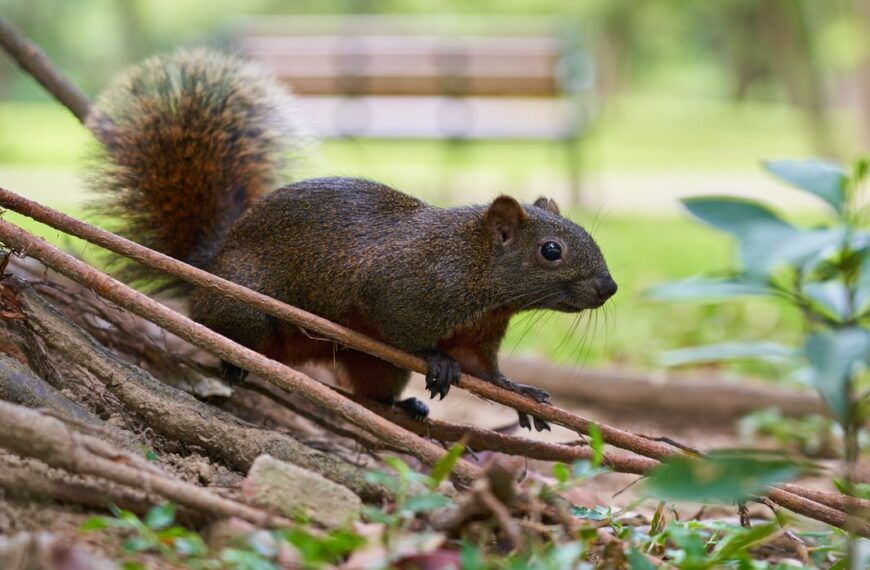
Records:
x=194, y=141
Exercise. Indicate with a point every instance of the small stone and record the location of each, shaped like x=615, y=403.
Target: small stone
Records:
x=291, y=490
x=223, y=533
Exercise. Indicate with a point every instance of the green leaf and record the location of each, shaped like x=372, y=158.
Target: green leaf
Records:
x=588, y=514
x=160, y=517
x=137, y=544
x=721, y=477
x=94, y=523
x=426, y=502
x=737, y=216
x=385, y=480
x=377, y=515
x=597, y=444
x=471, y=557
x=768, y=248
x=191, y=545
x=862, y=285
x=445, y=465
x=689, y=540
x=824, y=178
x=832, y=297
x=700, y=289
x=739, y=541
x=637, y=561
x=764, y=351
x=860, y=490
x=237, y=559
x=561, y=472
x=834, y=356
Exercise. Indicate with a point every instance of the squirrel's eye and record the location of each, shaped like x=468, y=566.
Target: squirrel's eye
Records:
x=551, y=251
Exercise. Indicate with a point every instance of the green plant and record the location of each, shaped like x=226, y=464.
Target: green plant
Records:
x=415, y=492
x=823, y=270
x=811, y=435
x=154, y=533
x=157, y=533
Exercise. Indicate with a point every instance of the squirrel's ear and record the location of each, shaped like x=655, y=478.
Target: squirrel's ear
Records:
x=504, y=218
x=548, y=204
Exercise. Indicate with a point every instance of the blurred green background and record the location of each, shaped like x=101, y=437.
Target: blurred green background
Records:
x=689, y=96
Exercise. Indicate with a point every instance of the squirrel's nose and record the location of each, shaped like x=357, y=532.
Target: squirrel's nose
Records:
x=605, y=286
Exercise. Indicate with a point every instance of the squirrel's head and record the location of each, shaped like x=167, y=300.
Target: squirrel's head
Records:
x=550, y=262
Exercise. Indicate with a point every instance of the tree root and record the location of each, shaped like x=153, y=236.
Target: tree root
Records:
x=173, y=413
x=32, y=434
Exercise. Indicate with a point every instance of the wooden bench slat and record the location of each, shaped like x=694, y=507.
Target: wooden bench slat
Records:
x=439, y=117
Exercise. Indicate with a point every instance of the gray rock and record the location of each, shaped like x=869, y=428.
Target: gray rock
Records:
x=291, y=490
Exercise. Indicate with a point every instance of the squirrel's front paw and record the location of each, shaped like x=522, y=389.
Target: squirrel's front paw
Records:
x=441, y=372
x=536, y=394
x=414, y=408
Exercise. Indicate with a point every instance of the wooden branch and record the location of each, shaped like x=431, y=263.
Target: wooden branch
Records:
x=173, y=413
x=481, y=439
x=32, y=60
x=842, y=502
x=208, y=340
x=31, y=434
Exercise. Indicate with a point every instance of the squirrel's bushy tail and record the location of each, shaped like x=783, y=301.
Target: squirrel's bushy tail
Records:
x=189, y=141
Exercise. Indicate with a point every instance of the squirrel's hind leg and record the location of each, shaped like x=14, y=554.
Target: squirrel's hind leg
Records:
x=372, y=378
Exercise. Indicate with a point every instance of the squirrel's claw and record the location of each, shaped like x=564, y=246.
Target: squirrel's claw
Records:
x=232, y=373
x=540, y=425
x=538, y=395
x=414, y=408
x=441, y=372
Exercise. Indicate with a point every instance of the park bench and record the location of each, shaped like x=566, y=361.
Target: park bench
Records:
x=408, y=78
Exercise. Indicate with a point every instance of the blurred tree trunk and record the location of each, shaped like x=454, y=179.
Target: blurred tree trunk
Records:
x=741, y=25
x=862, y=9
x=131, y=31
x=615, y=45
x=786, y=28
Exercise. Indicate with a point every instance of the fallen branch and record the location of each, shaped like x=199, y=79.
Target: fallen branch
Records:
x=212, y=342
x=171, y=412
x=31, y=434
